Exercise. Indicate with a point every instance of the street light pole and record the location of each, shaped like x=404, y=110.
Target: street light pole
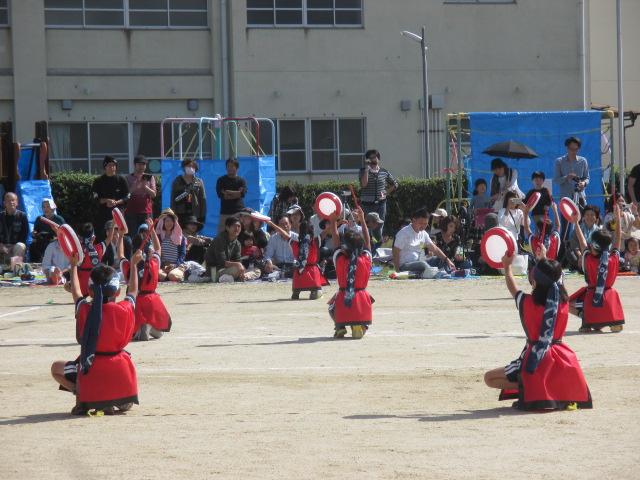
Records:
x=425, y=96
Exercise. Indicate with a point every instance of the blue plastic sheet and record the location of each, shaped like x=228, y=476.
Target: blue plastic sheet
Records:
x=545, y=133
x=259, y=172
x=30, y=195
x=28, y=163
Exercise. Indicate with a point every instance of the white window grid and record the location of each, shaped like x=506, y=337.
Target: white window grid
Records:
x=305, y=9
x=126, y=11
x=309, y=150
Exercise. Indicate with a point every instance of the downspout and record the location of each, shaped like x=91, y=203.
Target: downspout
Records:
x=582, y=58
x=225, y=58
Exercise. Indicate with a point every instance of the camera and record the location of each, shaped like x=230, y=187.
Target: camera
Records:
x=578, y=180
x=146, y=176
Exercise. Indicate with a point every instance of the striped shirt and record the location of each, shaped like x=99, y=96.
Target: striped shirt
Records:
x=379, y=181
x=169, y=251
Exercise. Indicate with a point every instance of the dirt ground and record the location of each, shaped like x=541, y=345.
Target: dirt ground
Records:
x=251, y=385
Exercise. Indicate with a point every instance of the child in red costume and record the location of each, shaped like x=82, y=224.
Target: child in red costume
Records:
x=351, y=305
x=93, y=253
x=551, y=237
x=598, y=304
x=103, y=377
x=547, y=374
x=152, y=317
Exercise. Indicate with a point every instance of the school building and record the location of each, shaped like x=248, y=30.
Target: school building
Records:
x=336, y=77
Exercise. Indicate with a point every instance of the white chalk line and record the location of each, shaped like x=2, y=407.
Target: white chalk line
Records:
x=20, y=311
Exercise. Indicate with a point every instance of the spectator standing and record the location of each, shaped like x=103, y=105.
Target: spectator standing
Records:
x=188, y=195
x=504, y=180
x=14, y=229
x=283, y=202
x=231, y=188
x=537, y=213
x=142, y=190
x=571, y=172
x=377, y=183
x=110, y=190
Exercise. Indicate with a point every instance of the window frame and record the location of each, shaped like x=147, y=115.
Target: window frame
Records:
x=309, y=148
x=4, y=7
x=126, y=10
x=305, y=9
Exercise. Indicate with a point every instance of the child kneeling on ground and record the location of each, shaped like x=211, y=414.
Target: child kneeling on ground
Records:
x=351, y=305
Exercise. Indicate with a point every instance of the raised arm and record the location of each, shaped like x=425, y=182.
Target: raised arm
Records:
x=76, y=292
x=508, y=274
x=365, y=230
x=281, y=231
x=576, y=228
x=617, y=236
x=133, y=278
x=154, y=237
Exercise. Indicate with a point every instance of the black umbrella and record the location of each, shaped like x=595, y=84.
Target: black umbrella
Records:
x=511, y=149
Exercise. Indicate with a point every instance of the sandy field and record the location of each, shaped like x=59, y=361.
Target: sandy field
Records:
x=251, y=385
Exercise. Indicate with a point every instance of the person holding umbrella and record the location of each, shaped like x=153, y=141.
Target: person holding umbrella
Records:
x=504, y=180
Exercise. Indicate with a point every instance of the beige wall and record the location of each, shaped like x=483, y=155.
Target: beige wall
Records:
x=604, y=77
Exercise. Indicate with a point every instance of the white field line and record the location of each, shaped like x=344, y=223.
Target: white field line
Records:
x=19, y=311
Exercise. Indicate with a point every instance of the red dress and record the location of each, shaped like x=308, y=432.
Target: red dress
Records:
x=311, y=277
x=112, y=379
x=558, y=380
x=84, y=269
x=610, y=313
x=360, y=312
x=149, y=306
x=554, y=245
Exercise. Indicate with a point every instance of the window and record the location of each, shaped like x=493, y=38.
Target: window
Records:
x=126, y=13
x=320, y=145
x=81, y=147
x=4, y=13
x=308, y=13
x=479, y=1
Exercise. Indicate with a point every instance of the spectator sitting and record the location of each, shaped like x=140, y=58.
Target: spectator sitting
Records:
x=224, y=255
x=632, y=255
x=55, y=265
x=511, y=215
x=410, y=241
x=278, y=255
x=296, y=216
x=629, y=221
x=590, y=223
x=14, y=229
x=250, y=254
x=373, y=221
x=43, y=233
x=282, y=202
x=436, y=216
x=448, y=240
x=173, y=246
x=196, y=244
x=261, y=238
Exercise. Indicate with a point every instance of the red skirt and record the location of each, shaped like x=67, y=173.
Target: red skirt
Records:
x=111, y=382
x=151, y=309
x=610, y=313
x=311, y=278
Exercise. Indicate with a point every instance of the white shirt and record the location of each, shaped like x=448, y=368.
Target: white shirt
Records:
x=410, y=243
x=511, y=220
x=497, y=205
x=54, y=257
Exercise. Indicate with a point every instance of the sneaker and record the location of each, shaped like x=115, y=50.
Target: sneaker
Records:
x=340, y=332
x=616, y=328
x=356, y=331
x=77, y=410
x=584, y=329
x=315, y=295
x=143, y=334
x=109, y=411
x=295, y=295
x=126, y=407
x=155, y=334
x=226, y=278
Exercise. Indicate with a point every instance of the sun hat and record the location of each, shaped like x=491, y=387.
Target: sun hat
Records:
x=440, y=212
x=373, y=217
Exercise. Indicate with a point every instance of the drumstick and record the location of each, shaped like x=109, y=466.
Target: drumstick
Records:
x=353, y=195
x=544, y=226
x=149, y=233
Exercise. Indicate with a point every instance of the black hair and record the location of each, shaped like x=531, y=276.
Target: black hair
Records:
x=86, y=230
x=372, y=152
x=445, y=221
x=595, y=209
x=287, y=192
x=626, y=242
x=602, y=239
x=498, y=163
x=553, y=270
x=189, y=162
x=538, y=174
x=140, y=159
x=508, y=196
x=231, y=220
x=305, y=227
x=403, y=223
x=548, y=227
x=352, y=240
x=571, y=140
x=102, y=274
x=613, y=199
x=136, y=242
x=420, y=213
x=233, y=160
x=277, y=222
x=479, y=181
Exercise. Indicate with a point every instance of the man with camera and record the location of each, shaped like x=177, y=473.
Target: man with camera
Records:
x=142, y=188
x=571, y=172
x=376, y=183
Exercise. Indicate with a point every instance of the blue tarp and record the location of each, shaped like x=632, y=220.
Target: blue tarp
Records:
x=28, y=163
x=259, y=172
x=545, y=133
x=30, y=195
